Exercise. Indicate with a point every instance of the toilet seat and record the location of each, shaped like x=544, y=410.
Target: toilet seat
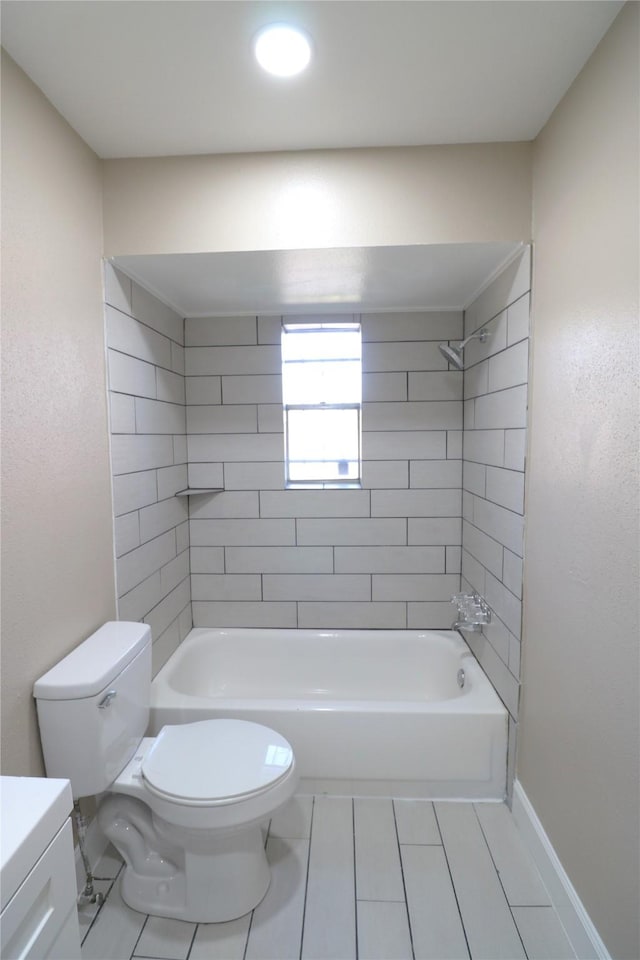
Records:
x=215, y=762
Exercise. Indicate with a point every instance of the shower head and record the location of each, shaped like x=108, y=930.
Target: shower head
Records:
x=454, y=354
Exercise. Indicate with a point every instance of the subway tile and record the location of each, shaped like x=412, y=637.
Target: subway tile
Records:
x=435, y=473
x=185, y=622
x=386, y=386
x=507, y=408
x=476, y=351
x=317, y=586
x=351, y=531
x=468, y=501
x=385, y=474
x=430, y=615
x=171, y=479
x=414, y=586
x=389, y=559
x=162, y=516
x=154, y=416
x=254, y=476
x=136, y=566
x=170, y=386
x=270, y=419
x=136, y=603
x=182, y=536
x=473, y=572
x=435, y=385
x=117, y=288
x=227, y=587
x=415, y=503
x=177, y=358
x=202, y=390
x=205, y=475
x=269, y=329
x=132, y=376
x=169, y=608
x=415, y=415
x=509, y=285
x=179, y=448
x=130, y=454
x=154, y=313
x=208, y=560
x=243, y=447
x=512, y=573
x=515, y=444
x=434, y=531
x=469, y=414
x=265, y=533
x=509, y=368
x=358, y=615
x=128, y=336
x=453, y=560
x=484, y=446
x=474, y=477
x=482, y=547
x=126, y=530
x=476, y=380
x=506, y=487
x=122, y=413
x=503, y=681
x=314, y=503
x=134, y=490
x=506, y=606
x=166, y=644
x=244, y=614
x=259, y=388
x=426, y=325
x=211, y=361
x=503, y=525
x=518, y=320
x=408, y=445
x=174, y=572
x=241, y=504
x=454, y=444
x=220, y=331
x=379, y=357
x=230, y=418
x=267, y=560
x=513, y=661
x=497, y=635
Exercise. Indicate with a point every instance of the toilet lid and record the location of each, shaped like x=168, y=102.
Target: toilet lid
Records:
x=215, y=761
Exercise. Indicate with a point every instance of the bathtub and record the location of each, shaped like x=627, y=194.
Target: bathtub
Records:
x=367, y=712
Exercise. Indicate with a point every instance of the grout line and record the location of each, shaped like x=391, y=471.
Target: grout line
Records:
x=355, y=883
x=453, y=886
x=404, y=886
x=306, y=879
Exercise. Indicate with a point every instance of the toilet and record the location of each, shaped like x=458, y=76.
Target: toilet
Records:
x=185, y=808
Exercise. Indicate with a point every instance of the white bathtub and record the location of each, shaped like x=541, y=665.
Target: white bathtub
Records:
x=368, y=712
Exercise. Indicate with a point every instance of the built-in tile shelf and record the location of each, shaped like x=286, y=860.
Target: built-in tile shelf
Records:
x=195, y=491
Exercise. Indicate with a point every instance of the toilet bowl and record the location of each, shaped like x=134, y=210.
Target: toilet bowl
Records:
x=184, y=808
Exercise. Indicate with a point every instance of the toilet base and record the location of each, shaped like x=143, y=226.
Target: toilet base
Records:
x=208, y=889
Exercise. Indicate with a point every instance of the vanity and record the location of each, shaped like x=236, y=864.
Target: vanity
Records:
x=37, y=871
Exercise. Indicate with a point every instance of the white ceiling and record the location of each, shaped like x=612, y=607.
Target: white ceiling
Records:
x=142, y=78
x=350, y=279
x=149, y=78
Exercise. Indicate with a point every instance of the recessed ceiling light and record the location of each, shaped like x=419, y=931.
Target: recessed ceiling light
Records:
x=282, y=50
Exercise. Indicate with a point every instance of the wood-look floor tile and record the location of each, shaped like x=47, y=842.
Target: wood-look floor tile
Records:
x=378, y=873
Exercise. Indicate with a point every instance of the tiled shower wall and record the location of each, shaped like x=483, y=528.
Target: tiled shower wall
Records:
x=145, y=341
x=495, y=418
x=385, y=556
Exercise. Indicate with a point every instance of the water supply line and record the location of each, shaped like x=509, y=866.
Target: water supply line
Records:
x=88, y=895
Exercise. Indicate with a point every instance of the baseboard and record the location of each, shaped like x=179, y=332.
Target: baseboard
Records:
x=585, y=939
x=95, y=845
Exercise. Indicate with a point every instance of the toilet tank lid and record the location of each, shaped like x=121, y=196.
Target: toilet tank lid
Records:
x=94, y=663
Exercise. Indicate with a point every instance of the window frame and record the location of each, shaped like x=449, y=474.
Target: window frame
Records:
x=300, y=327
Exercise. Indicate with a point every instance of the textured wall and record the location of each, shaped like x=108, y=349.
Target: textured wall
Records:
x=57, y=555
x=578, y=746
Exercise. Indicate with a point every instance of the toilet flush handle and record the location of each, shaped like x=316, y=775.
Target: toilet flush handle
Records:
x=107, y=699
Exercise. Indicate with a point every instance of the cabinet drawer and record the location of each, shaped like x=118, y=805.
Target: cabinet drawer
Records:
x=43, y=905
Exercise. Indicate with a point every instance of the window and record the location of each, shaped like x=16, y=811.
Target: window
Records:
x=322, y=397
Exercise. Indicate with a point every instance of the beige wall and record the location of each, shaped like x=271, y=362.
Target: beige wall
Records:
x=57, y=566
x=579, y=752
x=330, y=198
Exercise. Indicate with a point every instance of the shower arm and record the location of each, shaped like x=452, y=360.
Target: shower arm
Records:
x=480, y=335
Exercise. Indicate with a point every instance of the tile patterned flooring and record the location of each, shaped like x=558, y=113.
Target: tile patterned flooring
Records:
x=362, y=879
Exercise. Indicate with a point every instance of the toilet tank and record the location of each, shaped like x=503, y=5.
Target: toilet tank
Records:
x=93, y=706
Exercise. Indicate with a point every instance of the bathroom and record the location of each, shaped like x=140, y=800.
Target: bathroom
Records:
x=577, y=710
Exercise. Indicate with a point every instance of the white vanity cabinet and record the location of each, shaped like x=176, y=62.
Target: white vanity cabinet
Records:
x=37, y=871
